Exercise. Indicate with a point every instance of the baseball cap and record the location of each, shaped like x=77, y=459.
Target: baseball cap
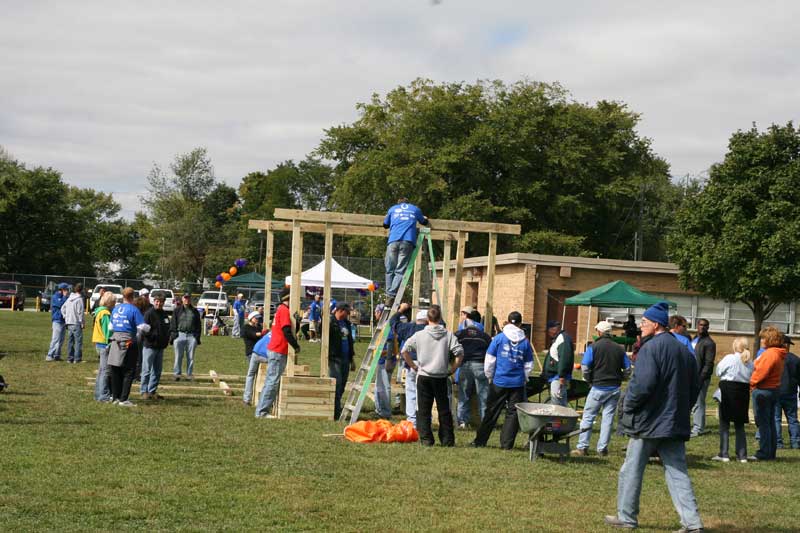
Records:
x=144, y=292
x=422, y=314
x=63, y=286
x=285, y=292
x=468, y=309
x=604, y=326
x=253, y=314
x=553, y=324
x=514, y=317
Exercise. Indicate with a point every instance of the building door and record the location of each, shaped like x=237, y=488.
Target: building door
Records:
x=555, y=310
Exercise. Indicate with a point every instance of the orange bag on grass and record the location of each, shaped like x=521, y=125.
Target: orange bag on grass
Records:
x=381, y=431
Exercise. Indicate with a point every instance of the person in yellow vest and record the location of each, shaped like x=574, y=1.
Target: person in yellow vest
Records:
x=100, y=338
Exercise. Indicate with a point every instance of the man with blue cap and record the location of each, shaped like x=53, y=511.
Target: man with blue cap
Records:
x=59, y=329
x=655, y=415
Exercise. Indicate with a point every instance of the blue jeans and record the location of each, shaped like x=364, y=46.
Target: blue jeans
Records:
x=673, y=457
x=252, y=372
x=764, y=403
x=276, y=364
x=699, y=410
x=398, y=253
x=102, y=392
x=383, y=401
x=471, y=378
x=605, y=400
x=787, y=404
x=56, y=341
x=340, y=371
x=411, y=396
x=184, y=344
x=152, y=363
x=74, y=342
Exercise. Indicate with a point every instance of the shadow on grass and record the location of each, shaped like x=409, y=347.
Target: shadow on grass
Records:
x=43, y=421
x=731, y=528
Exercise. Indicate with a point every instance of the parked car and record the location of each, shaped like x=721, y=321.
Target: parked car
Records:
x=213, y=301
x=12, y=291
x=169, y=298
x=95, y=297
x=45, y=297
x=258, y=301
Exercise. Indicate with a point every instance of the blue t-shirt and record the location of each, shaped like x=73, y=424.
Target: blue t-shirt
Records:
x=759, y=352
x=238, y=306
x=126, y=318
x=509, y=371
x=686, y=342
x=260, y=347
x=314, y=311
x=402, y=220
x=333, y=304
x=588, y=359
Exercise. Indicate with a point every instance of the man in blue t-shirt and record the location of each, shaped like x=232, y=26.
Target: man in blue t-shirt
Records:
x=59, y=329
x=509, y=361
x=239, y=306
x=401, y=220
x=314, y=319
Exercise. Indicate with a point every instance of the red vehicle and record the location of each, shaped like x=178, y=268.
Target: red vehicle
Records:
x=12, y=291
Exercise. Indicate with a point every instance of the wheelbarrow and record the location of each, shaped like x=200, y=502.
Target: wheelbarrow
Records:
x=549, y=428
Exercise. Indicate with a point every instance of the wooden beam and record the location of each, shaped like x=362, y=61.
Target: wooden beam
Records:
x=339, y=229
x=444, y=299
x=326, y=305
x=459, y=278
x=268, y=277
x=489, y=310
x=417, y=280
x=377, y=220
x=296, y=289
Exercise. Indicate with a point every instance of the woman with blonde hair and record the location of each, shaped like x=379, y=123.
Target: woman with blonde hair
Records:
x=764, y=383
x=101, y=334
x=734, y=371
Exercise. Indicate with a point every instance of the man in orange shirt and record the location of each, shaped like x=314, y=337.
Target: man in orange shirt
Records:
x=764, y=384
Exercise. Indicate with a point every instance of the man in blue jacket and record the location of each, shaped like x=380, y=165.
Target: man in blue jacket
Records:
x=655, y=415
x=57, y=340
x=401, y=220
x=509, y=361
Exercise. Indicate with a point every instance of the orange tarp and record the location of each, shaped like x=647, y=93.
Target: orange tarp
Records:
x=381, y=431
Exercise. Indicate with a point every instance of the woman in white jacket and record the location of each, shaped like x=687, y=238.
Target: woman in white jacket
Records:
x=734, y=371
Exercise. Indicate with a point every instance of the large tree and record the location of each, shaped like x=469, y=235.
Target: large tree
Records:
x=736, y=238
x=573, y=175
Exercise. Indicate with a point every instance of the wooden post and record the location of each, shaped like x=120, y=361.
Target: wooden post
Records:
x=326, y=305
x=489, y=312
x=268, y=278
x=459, y=277
x=294, y=297
x=443, y=298
x=417, y=282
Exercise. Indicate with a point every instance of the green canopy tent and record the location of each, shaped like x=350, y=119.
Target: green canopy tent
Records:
x=252, y=279
x=614, y=294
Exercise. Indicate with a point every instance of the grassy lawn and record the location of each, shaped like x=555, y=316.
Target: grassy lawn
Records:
x=71, y=464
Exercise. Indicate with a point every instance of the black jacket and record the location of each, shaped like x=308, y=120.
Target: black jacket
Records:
x=336, y=335
x=251, y=335
x=197, y=329
x=663, y=390
x=706, y=352
x=791, y=375
x=475, y=341
x=608, y=361
x=159, y=334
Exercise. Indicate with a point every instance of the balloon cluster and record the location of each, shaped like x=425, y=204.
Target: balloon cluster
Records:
x=225, y=276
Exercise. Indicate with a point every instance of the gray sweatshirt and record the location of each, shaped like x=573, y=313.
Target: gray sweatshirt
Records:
x=434, y=346
x=73, y=310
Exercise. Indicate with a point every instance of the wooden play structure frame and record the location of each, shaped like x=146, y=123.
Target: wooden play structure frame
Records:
x=333, y=223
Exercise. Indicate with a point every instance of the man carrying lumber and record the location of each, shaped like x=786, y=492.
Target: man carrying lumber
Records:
x=435, y=346
x=401, y=220
x=277, y=352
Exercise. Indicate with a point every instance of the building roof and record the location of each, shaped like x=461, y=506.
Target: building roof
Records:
x=591, y=263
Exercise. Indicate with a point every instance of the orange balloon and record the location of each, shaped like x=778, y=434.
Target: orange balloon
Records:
x=225, y=276
x=233, y=271
x=371, y=287
x=218, y=285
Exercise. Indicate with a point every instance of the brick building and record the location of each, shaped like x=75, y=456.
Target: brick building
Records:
x=536, y=285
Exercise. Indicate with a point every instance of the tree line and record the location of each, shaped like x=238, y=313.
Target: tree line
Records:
x=578, y=178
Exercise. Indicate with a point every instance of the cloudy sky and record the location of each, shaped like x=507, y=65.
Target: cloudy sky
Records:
x=101, y=90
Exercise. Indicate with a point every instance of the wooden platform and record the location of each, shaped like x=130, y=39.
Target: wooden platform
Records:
x=306, y=397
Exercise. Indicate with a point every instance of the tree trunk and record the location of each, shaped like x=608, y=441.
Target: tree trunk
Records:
x=759, y=320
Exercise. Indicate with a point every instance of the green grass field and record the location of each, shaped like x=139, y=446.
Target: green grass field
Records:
x=71, y=464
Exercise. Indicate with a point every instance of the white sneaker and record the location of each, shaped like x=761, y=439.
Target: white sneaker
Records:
x=742, y=460
x=721, y=459
x=127, y=403
x=462, y=426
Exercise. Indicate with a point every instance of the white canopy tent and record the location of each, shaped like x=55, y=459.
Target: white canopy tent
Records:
x=341, y=278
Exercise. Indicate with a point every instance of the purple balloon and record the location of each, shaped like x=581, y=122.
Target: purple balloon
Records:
x=241, y=262
x=220, y=278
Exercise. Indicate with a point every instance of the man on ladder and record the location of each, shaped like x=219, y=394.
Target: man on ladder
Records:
x=401, y=220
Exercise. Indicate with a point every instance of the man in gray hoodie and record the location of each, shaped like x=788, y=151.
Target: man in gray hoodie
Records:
x=435, y=346
x=73, y=318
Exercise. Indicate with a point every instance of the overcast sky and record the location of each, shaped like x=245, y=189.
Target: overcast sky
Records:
x=101, y=90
